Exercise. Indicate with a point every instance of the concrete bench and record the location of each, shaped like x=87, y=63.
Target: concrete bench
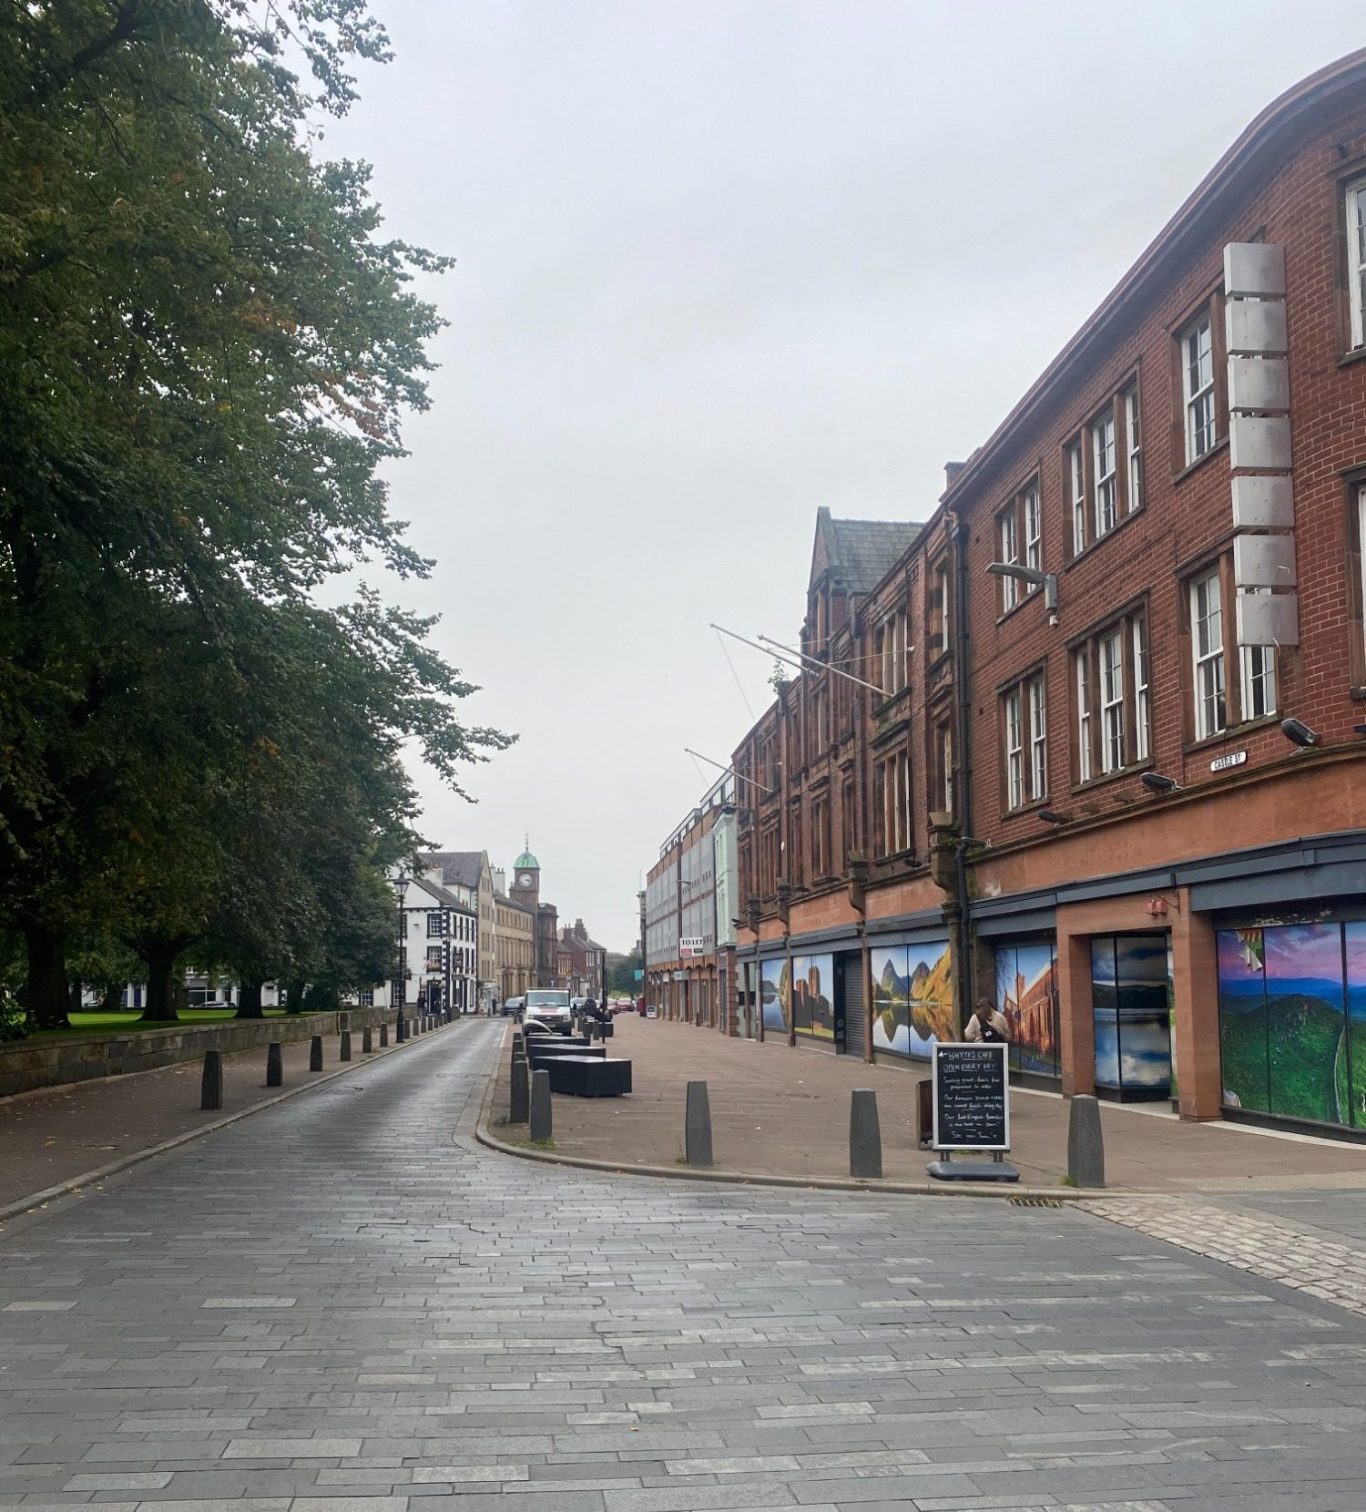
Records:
x=588, y=1076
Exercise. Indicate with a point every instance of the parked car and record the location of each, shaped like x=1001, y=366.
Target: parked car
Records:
x=513, y=1006
x=550, y=1007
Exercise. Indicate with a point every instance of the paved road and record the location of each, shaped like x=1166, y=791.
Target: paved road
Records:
x=343, y=1297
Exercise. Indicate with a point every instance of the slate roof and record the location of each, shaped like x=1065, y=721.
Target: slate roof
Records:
x=458, y=868
x=446, y=899
x=862, y=552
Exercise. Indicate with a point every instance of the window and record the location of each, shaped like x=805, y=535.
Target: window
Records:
x=1356, y=260
x=1084, y=722
x=433, y=958
x=365, y=998
x=1111, y=701
x=435, y=924
x=1014, y=710
x=1009, y=530
x=1114, y=708
x=1141, y=705
x=1207, y=648
x=820, y=716
x=892, y=797
x=848, y=834
x=1076, y=493
x=820, y=837
x=1257, y=678
x=1102, y=466
x=1134, y=440
x=1026, y=742
x=1197, y=387
x=1038, y=738
x=938, y=603
x=1019, y=539
x=890, y=653
x=1104, y=495
x=942, y=757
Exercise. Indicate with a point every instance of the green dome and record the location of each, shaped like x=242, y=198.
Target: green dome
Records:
x=526, y=859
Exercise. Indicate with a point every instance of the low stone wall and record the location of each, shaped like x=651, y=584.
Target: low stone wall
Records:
x=55, y=1062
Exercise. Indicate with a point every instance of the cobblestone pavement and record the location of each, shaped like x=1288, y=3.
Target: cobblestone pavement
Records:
x=344, y=1303
x=1278, y=1244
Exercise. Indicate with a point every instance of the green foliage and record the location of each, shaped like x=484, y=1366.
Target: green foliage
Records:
x=207, y=354
x=13, y=1019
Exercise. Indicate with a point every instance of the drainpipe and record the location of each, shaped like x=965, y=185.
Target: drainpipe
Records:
x=962, y=761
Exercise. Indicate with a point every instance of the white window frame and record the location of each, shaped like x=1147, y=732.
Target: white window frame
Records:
x=1008, y=535
x=1207, y=656
x=1142, y=700
x=1197, y=387
x=1356, y=259
x=1104, y=477
x=1038, y=738
x=1015, y=782
x=1082, y=660
x=1076, y=473
x=1133, y=440
x=1110, y=664
x=1257, y=690
x=1033, y=530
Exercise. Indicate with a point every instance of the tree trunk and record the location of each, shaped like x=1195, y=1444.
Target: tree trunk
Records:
x=111, y=997
x=295, y=992
x=47, y=987
x=160, y=1007
x=249, y=1001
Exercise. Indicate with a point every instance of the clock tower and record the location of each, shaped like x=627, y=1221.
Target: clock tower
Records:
x=526, y=880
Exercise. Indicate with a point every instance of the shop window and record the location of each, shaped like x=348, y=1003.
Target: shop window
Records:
x=912, y=998
x=1027, y=994
x=810, y=990
x=1292, y=1021
x=1131, y=1007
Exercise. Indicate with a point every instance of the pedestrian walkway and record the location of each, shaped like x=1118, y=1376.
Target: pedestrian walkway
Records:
x=343, y=1304
x=56, y=1135
x=781, y=1111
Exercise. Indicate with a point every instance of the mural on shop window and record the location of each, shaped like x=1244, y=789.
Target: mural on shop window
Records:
x=774, y=994
x=813, y=985
x=1292, y=1020
x=1027, y=994
x=912, y=998
x=1131, y=1009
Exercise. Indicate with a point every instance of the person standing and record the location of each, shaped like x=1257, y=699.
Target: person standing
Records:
x=987, y=1026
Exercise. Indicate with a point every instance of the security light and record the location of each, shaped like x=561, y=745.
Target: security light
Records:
x=1298, y=732
x=1156, y=782
x=1051, y=816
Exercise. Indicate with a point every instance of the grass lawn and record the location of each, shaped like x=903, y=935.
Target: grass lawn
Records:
x=96, y=1025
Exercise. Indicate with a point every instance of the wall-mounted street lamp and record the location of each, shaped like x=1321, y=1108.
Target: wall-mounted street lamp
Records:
x=1052, y=816
x=1157, y=782
x=1298, y=732
x=1048, y=581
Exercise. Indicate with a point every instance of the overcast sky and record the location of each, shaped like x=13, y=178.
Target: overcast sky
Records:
x=721, y=262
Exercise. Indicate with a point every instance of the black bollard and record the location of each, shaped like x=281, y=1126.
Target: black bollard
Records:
x=345, y=1052
x=315, y=1053
x=400, y=1028
x=541, y=1124
x=697, y=1126
x=865, y=1135
x=211, y=1083
x=367, y=1041
x=384, y=1036
x=275, y=1068
x=1085, y=1143
x=519, y=1097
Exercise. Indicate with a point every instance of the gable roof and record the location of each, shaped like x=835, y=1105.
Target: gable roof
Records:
x=858, y=554
x=446, y=899
x=458, y=868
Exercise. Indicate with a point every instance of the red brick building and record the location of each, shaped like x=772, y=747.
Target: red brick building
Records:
x=1115, y=785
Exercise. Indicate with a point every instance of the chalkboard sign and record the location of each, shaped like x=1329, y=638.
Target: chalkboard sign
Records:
x=971, y=1097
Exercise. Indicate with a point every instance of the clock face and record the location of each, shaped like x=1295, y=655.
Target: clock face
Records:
x=526, y=879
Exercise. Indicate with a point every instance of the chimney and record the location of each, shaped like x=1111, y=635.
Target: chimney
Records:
x=951, y=471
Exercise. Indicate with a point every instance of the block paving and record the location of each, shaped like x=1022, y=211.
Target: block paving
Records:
x=345, y=1304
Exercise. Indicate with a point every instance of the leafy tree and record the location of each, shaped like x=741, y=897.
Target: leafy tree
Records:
x=206, y=352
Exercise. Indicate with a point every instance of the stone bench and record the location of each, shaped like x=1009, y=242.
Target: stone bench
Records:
x=588, y=1075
